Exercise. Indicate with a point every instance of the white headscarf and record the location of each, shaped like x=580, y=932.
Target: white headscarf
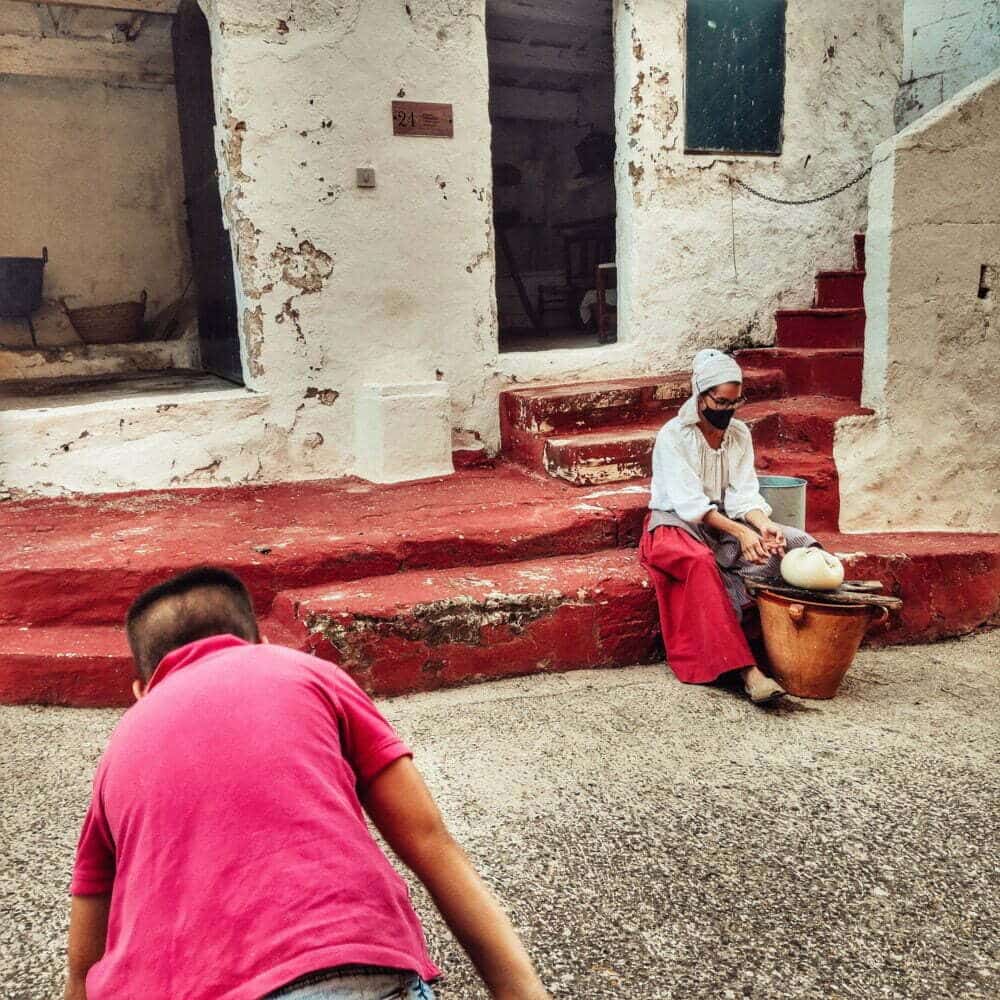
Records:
x=709, y=369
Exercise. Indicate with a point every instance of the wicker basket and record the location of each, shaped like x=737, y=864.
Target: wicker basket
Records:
x=120, y=323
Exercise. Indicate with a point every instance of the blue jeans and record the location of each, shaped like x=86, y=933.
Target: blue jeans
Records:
x=365, y=986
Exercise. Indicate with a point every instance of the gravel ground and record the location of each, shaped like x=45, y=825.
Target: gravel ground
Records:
x=653, y=840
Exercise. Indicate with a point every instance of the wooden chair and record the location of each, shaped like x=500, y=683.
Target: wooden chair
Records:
x=585, y=244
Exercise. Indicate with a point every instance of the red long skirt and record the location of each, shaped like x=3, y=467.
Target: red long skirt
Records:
x=702, y=635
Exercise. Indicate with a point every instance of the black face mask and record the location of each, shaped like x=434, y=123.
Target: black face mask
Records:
x=720, y=419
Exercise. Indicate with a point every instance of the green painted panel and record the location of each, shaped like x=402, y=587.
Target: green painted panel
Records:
x=735, y=80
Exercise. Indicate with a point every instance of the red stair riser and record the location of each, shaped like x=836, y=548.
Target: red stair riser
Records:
x=77, y=681
x=821, y=329
x=840, y=290
x=523, y=410
x=860, y=261
x=944, y=594
x=424, y=631
x=821, y=373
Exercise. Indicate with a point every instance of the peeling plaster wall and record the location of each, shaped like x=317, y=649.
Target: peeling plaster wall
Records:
x=93, y=172
x=947, y=44
x=341, y=286
x=930, y=458
x=678, y=291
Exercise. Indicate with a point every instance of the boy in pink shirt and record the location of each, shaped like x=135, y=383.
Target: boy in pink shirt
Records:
x=225, y=854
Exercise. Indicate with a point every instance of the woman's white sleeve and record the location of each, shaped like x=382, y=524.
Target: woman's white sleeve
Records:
x=676, y=485
x=743, y=492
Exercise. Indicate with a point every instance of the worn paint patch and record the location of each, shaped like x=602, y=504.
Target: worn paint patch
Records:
x=458, y=620
x=253, y=335
x=305, y=268
x=326, y=397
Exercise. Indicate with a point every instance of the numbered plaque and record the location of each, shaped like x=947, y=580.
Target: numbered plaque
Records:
x=415, y=118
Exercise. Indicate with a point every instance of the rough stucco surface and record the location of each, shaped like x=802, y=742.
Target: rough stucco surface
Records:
x=947, y=44
x=93, y=172
x=343, y=287
x=929, y=458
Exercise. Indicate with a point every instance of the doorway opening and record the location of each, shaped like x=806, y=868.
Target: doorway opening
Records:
x=211, y=252
x=119, y=229
x=552, y=112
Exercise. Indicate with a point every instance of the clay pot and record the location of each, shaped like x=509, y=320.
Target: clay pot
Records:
x=811, y=645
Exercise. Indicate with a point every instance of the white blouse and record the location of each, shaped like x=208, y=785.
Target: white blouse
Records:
x=690, y=478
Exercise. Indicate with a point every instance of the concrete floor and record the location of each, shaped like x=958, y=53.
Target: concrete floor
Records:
x=653, y=840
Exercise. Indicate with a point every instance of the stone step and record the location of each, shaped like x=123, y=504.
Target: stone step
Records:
x=421, y=631
x=830, y=328
x=598, y=458
x=542, y=409
x=69, y=665
x=840, y=289
x=417, y=631
x=812, y=371
x=82, y=560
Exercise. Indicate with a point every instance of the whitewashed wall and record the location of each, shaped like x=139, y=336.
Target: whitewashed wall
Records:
x=947, y=44
x=342, y=287
x=930, y=457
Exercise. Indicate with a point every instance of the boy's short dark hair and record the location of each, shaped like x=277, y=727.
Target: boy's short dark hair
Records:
x=194, y=605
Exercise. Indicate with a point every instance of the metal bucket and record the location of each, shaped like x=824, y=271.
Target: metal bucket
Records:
x=787, y=495
x=21, y=285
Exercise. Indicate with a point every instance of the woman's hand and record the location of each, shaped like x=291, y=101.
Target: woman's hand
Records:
x=752, y=545
x=773, y=538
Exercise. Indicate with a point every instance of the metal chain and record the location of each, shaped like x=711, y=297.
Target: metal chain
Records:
x=804, y=201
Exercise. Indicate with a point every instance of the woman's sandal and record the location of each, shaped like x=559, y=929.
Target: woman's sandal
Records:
x=764, y=692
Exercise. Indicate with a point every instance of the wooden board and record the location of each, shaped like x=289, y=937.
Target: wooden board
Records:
x=139, y=6
x=420, y=119
x=735, y=81
x=82, y=59
x=843, y=595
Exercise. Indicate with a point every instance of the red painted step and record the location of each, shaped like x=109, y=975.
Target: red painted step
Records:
x=813, y=371
x=421, y=631
x=81, y=561
x=831, y=328
x=615, y=454
x=840, y=289
x=71, y=665
x=526, y=415
x=418, y=631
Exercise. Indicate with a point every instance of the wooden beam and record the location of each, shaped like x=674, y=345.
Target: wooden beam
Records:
x=521, y=58
x=82, y=59
x=139, y=6
x=524, y=104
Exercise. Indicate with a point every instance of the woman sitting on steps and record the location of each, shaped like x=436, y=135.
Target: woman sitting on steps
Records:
x=709, y=530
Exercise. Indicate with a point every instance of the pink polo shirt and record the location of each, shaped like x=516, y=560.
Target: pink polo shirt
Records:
x=225, y=821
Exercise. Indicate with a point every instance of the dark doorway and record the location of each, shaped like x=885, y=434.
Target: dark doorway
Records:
x=552, y=111
x=211, y=253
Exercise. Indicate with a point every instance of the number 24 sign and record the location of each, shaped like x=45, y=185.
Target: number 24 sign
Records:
x=418, y=119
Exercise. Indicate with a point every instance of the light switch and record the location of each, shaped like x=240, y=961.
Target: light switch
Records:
x=366, y=177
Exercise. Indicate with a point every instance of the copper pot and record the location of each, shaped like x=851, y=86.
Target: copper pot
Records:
x=811, y=645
